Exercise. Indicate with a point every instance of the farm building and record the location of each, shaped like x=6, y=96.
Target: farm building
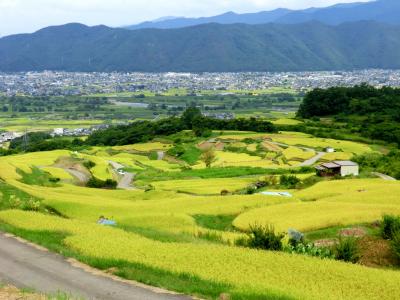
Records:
x=330, y=150
x=342, y=168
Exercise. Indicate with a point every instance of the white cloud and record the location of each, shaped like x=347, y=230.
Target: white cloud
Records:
x=17, y=16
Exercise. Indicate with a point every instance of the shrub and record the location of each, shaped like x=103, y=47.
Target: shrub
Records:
x=264, y=237
x=390, y=226
x=54, y=179
x=310, y=250
x=347, y=250
x=242, y=242
x=211, y=236
x=249, y=190
x=100, y=184
x=295, y=237
x=153, y=155
x=289, y=181
x=89, y=164
x=224, y=192
x=396, y=245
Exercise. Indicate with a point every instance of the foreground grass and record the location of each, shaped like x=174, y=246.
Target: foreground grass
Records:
x=11, y=292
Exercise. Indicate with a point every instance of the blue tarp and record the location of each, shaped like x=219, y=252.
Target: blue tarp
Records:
x=108, y=222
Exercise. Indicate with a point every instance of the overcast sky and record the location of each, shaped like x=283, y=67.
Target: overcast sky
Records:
x=20, y=16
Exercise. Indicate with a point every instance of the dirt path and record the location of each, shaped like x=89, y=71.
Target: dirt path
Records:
x=81, y=176
x=26, y=266
x=384, y=176
x=126, y=182
x=160, y=155
x=127, y=178
x=308, y=162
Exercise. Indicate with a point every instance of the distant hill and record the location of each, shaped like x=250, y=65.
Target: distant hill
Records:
x=210, y=47
x=227, y=18
x=386, y=11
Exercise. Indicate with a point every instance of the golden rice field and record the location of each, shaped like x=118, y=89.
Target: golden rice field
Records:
x=286, y=121
x=146, y=147
x=166, y=210
x=337, y=156
x=363, y=191
x=294, y=153
x=58, y=173
x=308, y=216
x=301, y=139
x=282, y=275
x=232, y=159
x=204, y=186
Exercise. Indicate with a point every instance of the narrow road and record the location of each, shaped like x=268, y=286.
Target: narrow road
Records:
x=26, y=266
x=160, y=155
x=127, y=178
x=384, y=176
x=308, y=162
x=81, y=176
x=313, y=160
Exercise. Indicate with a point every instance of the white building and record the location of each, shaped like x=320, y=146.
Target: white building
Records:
x=338, y=167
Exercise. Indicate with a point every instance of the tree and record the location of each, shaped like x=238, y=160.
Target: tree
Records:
x=190, y=115
x=208, y=156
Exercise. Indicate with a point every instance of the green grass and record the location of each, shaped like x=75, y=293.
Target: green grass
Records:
x=332, y=232
x=11, y=197
x=37, y=177
x=192, y=155
x=216, y=172
x=219, y=222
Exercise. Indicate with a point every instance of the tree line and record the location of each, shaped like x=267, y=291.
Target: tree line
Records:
x=372, y=112
x=138, y=132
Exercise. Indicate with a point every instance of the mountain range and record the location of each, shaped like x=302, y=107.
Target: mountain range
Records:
x=205, y=48
x=387, y=11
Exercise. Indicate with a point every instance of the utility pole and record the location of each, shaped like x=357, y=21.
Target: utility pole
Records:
x=25, y=141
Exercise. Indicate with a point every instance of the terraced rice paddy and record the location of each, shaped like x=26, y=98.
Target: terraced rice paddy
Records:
x=158, y=229
x=204, y=186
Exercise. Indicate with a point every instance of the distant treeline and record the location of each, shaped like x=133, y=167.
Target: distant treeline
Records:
x=138, y=132
x=372, y=112
x=192, y=119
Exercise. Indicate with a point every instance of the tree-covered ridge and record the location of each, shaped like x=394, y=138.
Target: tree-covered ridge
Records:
x=372, y=112
x=192, y=119
x=139, y=132
x=205, y=48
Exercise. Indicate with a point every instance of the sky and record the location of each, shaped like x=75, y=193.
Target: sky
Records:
x=25, y=16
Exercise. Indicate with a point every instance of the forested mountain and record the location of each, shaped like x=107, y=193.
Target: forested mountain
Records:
x=387, y=11
x=226, y=18
x=210, y=47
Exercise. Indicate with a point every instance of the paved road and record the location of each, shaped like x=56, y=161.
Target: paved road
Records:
x=26, y=266
x=384, y=176
x=308, y=162
x=313, y=160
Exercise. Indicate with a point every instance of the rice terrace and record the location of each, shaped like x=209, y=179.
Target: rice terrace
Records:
x=213, y=209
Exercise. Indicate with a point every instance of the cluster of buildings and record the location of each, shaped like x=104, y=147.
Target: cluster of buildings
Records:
x=9, y=136
x=63, y=83
x=78, y=131
x=220, y=116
